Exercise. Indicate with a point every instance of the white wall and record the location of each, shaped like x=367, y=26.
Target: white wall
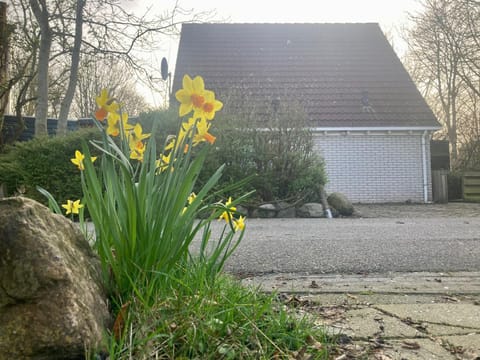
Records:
x=375, y=167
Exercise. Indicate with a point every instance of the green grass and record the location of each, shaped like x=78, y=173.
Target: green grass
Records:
x=224, y=320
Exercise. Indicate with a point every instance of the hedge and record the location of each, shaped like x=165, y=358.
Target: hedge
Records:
x=44, y=162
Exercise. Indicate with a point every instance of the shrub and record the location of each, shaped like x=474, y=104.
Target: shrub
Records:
x=165, y=120
x=44, y=162
x=276, y=151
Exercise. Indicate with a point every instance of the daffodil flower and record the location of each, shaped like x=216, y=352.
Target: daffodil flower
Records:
x=113, y=122
x=210, y=106
x=202, y=133
x=227, y=214
x=72, y=207
x=191, y=96
x=163, y=162
x=78, y=160
x=137, y=152
x=239, y=224
x=136, y=135
x=190, y=200
x=105, y=105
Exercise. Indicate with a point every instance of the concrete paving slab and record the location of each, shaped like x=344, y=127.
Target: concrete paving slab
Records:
x=391, y=283
x=427, y=350
x=443, y=330
x=375, y=298
x=469, y=342
x=463, y=315
x=369, y=323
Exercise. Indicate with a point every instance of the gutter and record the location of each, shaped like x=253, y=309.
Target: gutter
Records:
x=424, y=166
x=377, y=128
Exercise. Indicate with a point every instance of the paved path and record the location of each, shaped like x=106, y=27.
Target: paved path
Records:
x=395, y=316
x=361, y=245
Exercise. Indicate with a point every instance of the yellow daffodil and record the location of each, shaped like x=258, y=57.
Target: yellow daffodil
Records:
x=191, y=198
x=78, y=160
x=202, y=133
x=137, y=152
x=163, y=163
x=72, y=206
x=227, y=214
x=210, y=106
x=239, y=224
x=192, y=95
x=113, y=122
x=105, y=105
x=136, y=135
x=113, y=128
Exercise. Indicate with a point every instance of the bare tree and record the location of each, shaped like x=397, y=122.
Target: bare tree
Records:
x=442, y=60
x=75, y=61
x=98, y=73
x=42, y=15
x=71, y=29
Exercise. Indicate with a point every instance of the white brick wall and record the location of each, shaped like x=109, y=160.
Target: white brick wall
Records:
x=375, y=168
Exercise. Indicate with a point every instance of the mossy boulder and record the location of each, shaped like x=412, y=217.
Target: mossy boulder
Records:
x=340, y=204
x=52, y=301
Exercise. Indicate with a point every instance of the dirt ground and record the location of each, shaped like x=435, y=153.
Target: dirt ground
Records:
x=452, y=209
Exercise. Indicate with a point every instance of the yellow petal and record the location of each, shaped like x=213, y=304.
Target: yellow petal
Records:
x=184, y=109
x=187, y=83
x=198, y=84
x=183, y=96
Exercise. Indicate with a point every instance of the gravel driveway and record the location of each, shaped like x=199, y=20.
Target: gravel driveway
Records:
x=381, y=238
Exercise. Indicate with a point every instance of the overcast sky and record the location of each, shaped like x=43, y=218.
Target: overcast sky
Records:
x=390, y=14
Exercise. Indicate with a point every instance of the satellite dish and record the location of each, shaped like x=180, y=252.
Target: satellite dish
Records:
x=164, y=69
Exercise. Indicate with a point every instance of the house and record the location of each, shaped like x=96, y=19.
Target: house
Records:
x=370, y=123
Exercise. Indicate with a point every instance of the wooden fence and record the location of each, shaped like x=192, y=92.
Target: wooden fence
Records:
x=471, y=186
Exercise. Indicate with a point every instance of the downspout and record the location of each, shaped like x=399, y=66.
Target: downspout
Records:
x=424, y=166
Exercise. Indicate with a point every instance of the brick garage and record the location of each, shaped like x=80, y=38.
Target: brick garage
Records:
x=377, y=167
x=370, y=123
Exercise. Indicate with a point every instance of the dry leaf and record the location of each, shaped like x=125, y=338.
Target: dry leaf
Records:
x=314, y=343
x=382, y=357
x=119, y=323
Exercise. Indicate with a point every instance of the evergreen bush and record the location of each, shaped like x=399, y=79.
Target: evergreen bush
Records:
x=44, y=162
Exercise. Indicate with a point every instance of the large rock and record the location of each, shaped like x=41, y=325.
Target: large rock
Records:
x=341, y=204
x=265, y=211
x=310, y=210
x=285, y=210
x=52, y=305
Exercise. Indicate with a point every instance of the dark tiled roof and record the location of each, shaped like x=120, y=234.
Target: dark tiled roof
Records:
x=333, y=70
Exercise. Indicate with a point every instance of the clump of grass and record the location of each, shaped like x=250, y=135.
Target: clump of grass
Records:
x=220, y=320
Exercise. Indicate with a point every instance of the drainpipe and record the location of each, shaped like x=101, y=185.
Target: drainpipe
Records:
x=424, y=166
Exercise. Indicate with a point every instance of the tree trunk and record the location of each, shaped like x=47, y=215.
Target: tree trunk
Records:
x=40, y=11
x=72, y=83
x=4, y=88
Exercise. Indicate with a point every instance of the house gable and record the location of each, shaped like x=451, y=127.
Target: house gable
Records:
x=343, y=76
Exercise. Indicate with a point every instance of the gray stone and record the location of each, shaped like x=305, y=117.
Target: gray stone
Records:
x=341, y=204
x=265, y=211
x=285, y=210
x=242, y=210
x=310, y=210
x=52, y=304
